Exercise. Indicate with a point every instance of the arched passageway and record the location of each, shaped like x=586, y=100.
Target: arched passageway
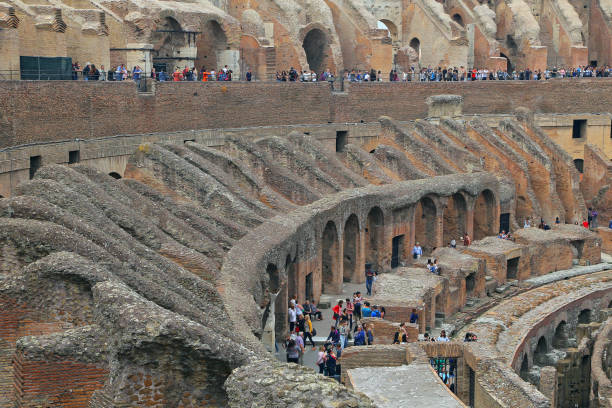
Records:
x=169, y=40
x=115, y=175
x=485, y=223
x=292, y=282
x=584, y=317
x=458, y=19
x=315, y=45
x=390, y=27
x=524, y=372
x=415, y=44
x=425, y=227
x=210, y=43
x=374, y=239
x=329, y=259
x=350, y=254
x=539, y=356
x=454, y=219
x=560, y=339
x=278, y=289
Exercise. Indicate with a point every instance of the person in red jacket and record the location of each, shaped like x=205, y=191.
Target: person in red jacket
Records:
x=337, y=312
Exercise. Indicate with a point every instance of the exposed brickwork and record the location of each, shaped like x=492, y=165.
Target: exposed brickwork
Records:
x=41, y=111
x=55, y=383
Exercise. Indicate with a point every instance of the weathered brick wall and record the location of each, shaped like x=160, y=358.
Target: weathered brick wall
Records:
x=55, y=383
x=596, y=181
x=384, y=330
x=373, y=356
x=58, y=110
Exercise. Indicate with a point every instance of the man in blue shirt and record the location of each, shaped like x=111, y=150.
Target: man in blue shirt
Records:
x=360, y=337
x=417, y=251
x=365, y=310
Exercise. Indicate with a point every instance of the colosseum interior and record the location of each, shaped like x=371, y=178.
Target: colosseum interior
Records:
x=150, y=241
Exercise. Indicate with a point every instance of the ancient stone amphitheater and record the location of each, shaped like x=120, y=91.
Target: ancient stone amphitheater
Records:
x=154, y=269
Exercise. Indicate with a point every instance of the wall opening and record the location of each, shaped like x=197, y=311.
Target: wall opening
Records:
x=458, y=19
x=415, y=44
x=341, y=140
x=308, y=287
x=577, y=247
x=539, y=357
x=397, y=246
x=329, y=259
x=425, y=215
x=470, y=284
x=579, y=128
x=504, y=222
x=509, y=67
x=292, y=279
x=35, y=164
x=512, y=268
x=74, y=156
x=115, y=175
x=579, y=163
x=374, y=240
x=472, y=391
x=560, y=340
x=524, y=372
x=209, y=44
x=314, y=45
x=280, y=304
x=350, y=250
x=484, y=215
x=584, y=317
x=454, y=218
x=168, y=40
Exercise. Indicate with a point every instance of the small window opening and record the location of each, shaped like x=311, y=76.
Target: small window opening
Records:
x=35, y=164
x=74, y=156
x=512, y=269
x=579, y=128
x=579, y=163
x=115, y=175
x=341, y=140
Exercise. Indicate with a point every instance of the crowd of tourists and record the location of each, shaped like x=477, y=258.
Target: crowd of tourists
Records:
x=121, y=73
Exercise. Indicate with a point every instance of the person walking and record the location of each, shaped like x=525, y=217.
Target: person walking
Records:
x=337, y=311
x=417, y=251
x=308, y=331
x=350, y=308
x=292, y=318
x=321, y=360
x=369, y=278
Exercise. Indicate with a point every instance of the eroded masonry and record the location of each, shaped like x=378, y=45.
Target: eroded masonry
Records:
x=157, y=270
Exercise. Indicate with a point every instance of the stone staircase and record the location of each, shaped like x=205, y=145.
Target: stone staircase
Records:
x=270, y=63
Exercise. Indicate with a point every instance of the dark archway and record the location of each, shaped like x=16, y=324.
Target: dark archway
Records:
x=524, y=372
x=585, y=317
x=375, y=237
x=485, y=223
x=275, y=285
x=560, y=339
x=454, y=218
x=351, y=249
x=115, y=175
x=292, y=281
x=210, y=42
x=579, y=164
x=315, y=44
x=458, y=19
x=539, y=356
x=425, y=215
x=329, y=259
x=168, y=39
x=415, y=44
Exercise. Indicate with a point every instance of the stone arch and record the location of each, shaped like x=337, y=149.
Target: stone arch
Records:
x=585, y=316
x=169, y=40
x=115, y=175
x=329, y=259
x=539, y=355
x=458, y=18
x=524, y=370
x=560, y=338
x=210, y=43
x=252, y=57
x=350, y=251
x=391, y=27
x=415, y=44
x=425, y=220
x=375, y=237
x=509, y=67
x=454, y=218
x=315, y=46
x=485, y=223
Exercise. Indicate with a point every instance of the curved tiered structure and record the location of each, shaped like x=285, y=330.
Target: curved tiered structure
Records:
x=148, y=290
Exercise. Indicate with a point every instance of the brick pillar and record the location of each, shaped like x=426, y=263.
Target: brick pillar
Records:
x=359, y=275
x=338, y=268
x=548, y=384
x=411, y=235
x=469, y=216
x=440, y=205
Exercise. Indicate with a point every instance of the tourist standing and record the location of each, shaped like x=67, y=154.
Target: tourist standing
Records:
x=336, y=312
x=417, y=251
x=292, y=318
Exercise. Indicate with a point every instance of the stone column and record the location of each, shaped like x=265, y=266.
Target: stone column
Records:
x=359, y=275
x=470, y=202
